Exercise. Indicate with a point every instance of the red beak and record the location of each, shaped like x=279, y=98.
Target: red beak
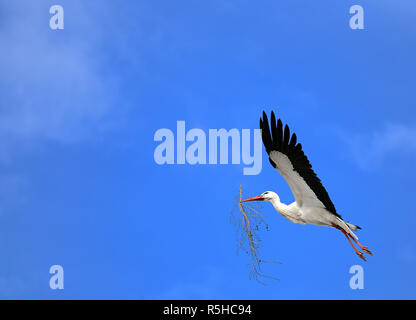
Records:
x=258, y=198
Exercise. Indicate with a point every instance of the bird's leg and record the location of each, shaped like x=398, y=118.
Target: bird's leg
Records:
x=359, y=253
x=364, y=248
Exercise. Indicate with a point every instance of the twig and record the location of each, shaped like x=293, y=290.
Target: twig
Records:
x=249, y=223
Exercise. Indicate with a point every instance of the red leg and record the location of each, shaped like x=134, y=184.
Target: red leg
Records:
x=359, y=253
x=364, y=248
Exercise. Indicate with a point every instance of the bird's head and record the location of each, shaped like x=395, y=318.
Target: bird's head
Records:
x=265, y=196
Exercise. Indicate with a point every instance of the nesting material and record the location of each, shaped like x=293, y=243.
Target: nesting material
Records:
x=250, y=224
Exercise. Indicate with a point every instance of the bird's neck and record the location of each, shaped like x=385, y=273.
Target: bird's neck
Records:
x=280, y=207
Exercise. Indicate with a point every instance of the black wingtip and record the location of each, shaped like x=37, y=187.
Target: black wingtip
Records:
x=287, y=131
x=277, y=137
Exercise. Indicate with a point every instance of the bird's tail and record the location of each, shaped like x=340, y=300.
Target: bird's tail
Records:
x=349, y=227
x=353, y=227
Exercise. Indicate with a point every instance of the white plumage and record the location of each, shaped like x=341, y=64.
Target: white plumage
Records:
x=312, y=203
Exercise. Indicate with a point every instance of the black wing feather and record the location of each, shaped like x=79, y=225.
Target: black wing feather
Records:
x=279, y=132
x=279, y=140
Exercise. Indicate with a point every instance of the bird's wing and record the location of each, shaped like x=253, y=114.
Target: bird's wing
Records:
x=287, y=156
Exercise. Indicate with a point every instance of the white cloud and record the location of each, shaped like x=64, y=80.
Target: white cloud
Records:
x=394, y=140
x=54, y=84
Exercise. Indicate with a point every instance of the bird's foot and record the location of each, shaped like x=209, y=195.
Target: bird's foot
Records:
x=366, y=250
x=361, y=255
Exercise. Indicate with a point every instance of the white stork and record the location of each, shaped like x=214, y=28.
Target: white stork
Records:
x=312, y=204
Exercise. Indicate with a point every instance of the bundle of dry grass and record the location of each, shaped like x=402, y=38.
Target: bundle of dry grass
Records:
x=250, y=223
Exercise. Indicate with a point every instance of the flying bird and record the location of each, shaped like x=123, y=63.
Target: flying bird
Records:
x=312, y=204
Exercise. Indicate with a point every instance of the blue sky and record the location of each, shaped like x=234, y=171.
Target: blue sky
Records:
x=79, y=186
